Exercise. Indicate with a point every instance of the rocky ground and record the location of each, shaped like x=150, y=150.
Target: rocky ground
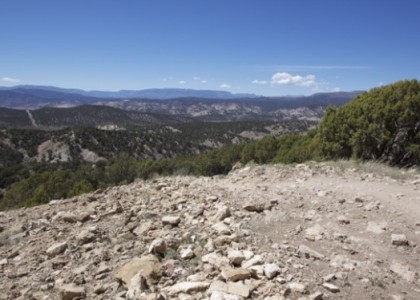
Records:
x=314, y=231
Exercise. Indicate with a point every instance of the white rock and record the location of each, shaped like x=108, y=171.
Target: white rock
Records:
x=305, y=251
x=235, y=288
x=298, y=287
x=258, y=270
x=187, y=253
x=137, y=286
x=158, y=246
x=376, y=228
x=222, y=296
x=171, y=220
x=56, y=249
x=248, y=254
x=315, y=232
x=343, y=219
x=256, y=260
x=271, y=270
x=186, y=287
x=236, y=257
x=215, y=259
x=222, y=213
x=221, y=228
x=399, y=239
x=331, y=287
x=65, y=216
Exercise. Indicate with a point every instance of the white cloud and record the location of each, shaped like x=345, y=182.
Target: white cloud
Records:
x=336, y=89
x=284, y=78
x=182, y=82
x=262, y=82
x=10, y=80
x=196, y=78
x=225, y=86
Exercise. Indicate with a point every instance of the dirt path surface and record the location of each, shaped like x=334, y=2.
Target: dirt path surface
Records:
x=31, y=117
x=315, y=231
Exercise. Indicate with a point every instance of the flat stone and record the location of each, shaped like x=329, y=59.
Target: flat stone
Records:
x=143, y=228
x=215, y=259
x=331, y=287
x=171, y=220
x=376, y=228
x=222, y=296
x=56, y=249
x=305, y=251
x=298, y=287
x=254, y=206
x=235, y=288
x=71, y=291
x=236, y=274
x=256, y=260
x=399, y=239
x=187, y=287
x=85, y=237
x=221, y=228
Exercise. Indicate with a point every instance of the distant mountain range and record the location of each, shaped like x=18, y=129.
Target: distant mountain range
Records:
x=156, y=94
x=84, y=110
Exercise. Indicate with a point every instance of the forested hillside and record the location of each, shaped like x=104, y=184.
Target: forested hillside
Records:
x=72, y=160
x=382, y=125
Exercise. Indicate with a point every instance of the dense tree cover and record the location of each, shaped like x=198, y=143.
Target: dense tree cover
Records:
x=382, y=124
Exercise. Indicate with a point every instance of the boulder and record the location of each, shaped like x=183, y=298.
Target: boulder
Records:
x=148, y=266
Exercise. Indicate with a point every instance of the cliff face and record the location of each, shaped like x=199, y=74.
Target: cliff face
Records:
x=317, y=231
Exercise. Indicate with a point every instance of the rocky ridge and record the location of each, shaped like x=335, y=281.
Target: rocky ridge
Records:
x=310, y=231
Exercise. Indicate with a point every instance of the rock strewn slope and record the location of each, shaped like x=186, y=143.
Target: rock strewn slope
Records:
x=261, y=232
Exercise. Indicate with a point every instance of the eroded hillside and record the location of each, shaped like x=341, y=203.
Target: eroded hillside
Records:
x=319, y=231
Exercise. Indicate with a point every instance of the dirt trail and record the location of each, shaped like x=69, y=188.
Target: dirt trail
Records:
x=31, y=117
x=307, y=232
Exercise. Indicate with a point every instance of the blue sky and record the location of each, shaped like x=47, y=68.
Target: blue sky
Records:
x=267, y=47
